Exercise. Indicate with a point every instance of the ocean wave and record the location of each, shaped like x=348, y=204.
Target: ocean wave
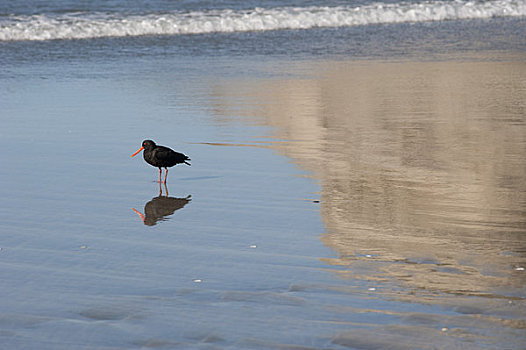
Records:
x=96, y=25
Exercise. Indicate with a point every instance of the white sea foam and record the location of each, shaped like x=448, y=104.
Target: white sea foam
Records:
x=90, y=25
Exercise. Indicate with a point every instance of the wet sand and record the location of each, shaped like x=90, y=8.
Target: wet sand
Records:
x=422, y=167
x=329, y=205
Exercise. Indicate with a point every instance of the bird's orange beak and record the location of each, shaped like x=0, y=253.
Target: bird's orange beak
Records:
x=140, y=149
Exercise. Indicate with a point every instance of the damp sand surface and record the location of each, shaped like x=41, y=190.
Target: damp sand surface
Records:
x=330, y=204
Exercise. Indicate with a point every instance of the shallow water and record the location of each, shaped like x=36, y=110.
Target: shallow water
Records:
x=330, y=204
x=421, y=167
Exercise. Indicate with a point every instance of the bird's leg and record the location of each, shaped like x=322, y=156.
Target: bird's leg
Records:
x=160, y=171
x=160, y=189
x=165, y=174
x=166, y=190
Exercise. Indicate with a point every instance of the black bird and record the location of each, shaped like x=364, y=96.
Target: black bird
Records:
x=161, y=157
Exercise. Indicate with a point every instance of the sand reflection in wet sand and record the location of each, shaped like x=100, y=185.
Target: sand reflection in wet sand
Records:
x=422, y=168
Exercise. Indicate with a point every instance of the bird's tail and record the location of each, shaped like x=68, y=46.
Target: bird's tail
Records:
x=185, y=161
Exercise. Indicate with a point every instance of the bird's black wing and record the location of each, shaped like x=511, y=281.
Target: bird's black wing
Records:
x=168, y=156
x=185, y=159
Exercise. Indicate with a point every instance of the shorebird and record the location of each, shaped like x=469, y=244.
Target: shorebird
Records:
x=161, y=157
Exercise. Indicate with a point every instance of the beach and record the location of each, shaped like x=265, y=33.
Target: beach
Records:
x=356, y=181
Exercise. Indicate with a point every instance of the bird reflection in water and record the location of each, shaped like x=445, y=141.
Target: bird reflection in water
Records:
x=160, y=207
